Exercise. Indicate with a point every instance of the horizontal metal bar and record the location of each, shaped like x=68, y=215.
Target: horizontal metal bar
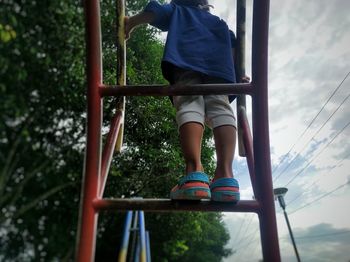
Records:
x=172, y=90
x=168, y=205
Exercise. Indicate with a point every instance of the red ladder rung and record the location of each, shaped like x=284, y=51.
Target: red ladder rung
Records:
x=169, y=90
x=168, y=205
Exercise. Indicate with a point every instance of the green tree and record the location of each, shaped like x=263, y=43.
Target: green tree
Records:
x=42, y=139
x=41, y=128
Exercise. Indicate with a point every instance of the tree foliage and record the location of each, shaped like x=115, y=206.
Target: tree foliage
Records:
x=41, y=128
x=42, y=137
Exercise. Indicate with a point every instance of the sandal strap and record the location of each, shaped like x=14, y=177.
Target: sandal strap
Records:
x=224, y=182
x=194, y=176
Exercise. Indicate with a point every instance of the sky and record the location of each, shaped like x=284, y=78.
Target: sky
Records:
x=309, y=108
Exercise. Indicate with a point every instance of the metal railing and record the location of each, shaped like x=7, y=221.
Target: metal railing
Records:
x=140, y=246
x=255, y=147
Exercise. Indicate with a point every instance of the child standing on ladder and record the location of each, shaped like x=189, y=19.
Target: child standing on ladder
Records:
x=198, y=50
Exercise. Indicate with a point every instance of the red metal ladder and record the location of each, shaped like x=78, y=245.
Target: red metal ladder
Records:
x=97, y=162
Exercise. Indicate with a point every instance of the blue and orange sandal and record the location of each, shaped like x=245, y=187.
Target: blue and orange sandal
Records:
x=194, y=186
x=225, y=190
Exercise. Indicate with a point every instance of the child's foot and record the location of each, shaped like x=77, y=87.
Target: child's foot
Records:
x=225, y=190
x=194, y=186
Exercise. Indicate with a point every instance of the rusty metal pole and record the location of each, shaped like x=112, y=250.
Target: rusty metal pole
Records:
x=261, y=143
x=121, y=67
x=240, y=64
x=86, y=236
x=114, y=139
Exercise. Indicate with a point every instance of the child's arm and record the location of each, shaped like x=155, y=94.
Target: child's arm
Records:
x=132, y=22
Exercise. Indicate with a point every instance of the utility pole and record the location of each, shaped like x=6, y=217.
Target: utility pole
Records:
x=280, y=193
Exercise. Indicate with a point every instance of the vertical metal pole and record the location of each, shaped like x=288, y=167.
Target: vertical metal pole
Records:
x=148, y=247
x=280, y=198
x=240, y=63
x=126, y=234
x=134, y=237
x=248, y=144
x=267, y=216
x=121, y=67
x=137, y=250
x=142, y=231
x=291, y=236
x=86, y=236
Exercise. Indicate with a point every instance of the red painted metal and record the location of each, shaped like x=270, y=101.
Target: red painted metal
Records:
x=258, y=162
x=121, y=66
x=239, y=58
x=248, y=144
x=167, y=205
x=108, y=149
x=163, y=90
x=267, y=215
x=88, y=216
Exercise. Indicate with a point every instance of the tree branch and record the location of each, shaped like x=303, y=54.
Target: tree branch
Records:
x=33, y=203
x=26, y=180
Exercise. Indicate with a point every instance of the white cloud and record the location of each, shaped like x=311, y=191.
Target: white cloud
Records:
x=308, y=58
x=321, y=242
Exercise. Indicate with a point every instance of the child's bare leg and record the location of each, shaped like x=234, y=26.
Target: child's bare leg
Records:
x=225, y=144
x=195, y=186
x=191, y=140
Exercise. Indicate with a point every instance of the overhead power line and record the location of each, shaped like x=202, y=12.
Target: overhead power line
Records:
x=315, y=182
x=315, y=157
x=245, y=235
x=247, y=241
x=312, y=138
x=241, y=244
x=321, y=235
x=325, y=235
x=252, y=239
x=307, y=128
x=319, y=198
x=239, y=230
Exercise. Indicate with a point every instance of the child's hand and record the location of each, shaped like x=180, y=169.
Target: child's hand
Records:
x=245, y=79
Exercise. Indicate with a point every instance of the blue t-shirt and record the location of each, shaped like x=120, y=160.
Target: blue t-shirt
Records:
x=197, y=40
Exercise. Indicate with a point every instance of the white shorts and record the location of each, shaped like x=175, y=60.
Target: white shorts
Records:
x=212, y=110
